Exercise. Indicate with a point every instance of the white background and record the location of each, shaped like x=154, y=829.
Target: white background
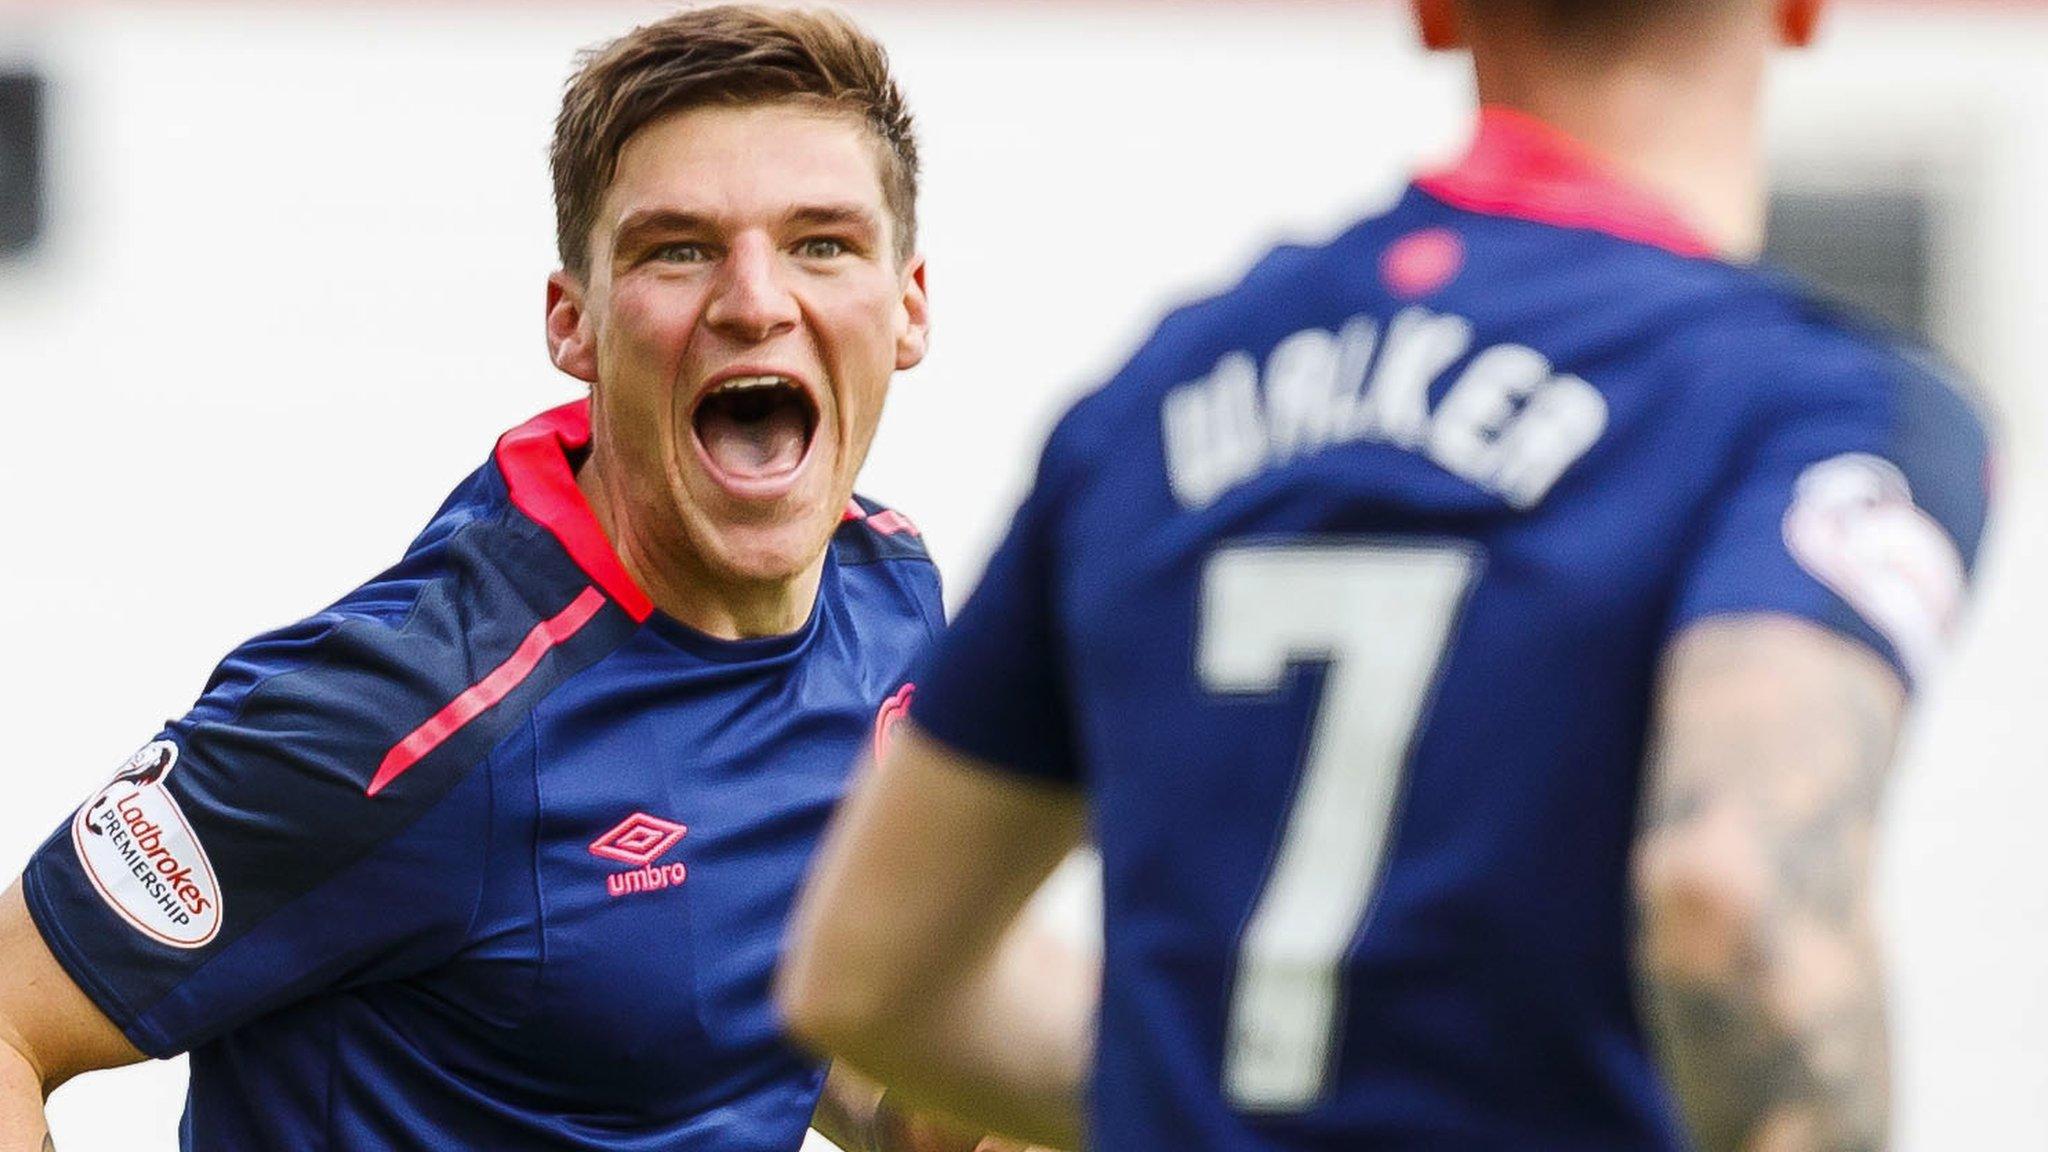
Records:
x=292, y=291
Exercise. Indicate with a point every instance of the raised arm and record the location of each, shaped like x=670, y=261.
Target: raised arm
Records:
x=49, y=1030
x=1757, y=952
x=907, y=957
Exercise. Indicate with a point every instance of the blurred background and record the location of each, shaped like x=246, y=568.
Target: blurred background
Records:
x=271, y=282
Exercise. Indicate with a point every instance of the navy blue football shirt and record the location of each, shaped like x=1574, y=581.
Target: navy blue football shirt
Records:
x=1344, y=600
x=490, y=854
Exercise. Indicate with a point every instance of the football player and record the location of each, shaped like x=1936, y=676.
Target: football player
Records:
x=496, y=852
x=1478, y=644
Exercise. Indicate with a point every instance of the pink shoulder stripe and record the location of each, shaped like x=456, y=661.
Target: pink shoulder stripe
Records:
x=489, y=691
x=887, y=522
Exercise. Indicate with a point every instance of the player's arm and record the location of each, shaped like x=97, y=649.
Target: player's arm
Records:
x=908, y=959
x=49, y=1030
x=1756, y=949
x=262, y=798
x=846, y=1109
x=858, y=1115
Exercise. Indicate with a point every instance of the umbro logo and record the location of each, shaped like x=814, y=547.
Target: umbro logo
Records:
x=641, y=840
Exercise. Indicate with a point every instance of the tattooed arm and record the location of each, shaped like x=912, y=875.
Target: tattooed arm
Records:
x=49, y=1030
x=1757, y=953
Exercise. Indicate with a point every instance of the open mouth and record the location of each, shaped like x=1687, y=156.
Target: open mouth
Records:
x=756, y=427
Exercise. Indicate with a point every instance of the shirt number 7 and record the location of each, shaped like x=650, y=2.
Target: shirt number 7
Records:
x=1381, y=615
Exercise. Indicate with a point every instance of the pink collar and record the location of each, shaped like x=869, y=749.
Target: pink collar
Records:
x=1521, y=167
x=534, y=459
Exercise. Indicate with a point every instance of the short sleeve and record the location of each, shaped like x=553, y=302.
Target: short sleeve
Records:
x=1860, y=508
x=239, y=862
x=995, y=685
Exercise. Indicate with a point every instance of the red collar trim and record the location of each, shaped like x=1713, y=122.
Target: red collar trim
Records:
x=1521, y=167
x=534, y=459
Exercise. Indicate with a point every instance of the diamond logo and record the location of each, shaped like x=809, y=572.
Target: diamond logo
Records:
x=639, y=840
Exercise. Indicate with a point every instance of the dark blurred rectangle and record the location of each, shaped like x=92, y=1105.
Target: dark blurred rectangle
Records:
x=1868, y=248
x=21, y=161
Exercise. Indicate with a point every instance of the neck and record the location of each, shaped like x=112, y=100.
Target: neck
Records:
x=686, y=589
x=1685, y=128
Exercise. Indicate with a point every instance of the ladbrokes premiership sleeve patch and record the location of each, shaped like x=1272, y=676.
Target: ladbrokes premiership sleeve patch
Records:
x=142, y=856
x=1854, y=527
x=1856, y=498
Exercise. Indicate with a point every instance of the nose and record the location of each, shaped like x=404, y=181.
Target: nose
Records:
x=750, y=302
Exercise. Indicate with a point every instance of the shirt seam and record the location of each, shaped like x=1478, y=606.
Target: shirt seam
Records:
x=540, y=898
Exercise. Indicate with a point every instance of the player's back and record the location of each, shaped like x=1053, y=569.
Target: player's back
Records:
x=1362, y=571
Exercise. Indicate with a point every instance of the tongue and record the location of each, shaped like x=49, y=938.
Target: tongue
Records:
x=764, y=446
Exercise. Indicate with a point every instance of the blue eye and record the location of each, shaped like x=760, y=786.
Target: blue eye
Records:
x=822, y=248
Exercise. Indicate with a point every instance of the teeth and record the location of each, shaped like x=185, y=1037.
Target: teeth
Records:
x=748, y=383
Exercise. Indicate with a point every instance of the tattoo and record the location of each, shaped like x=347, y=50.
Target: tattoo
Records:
x=1759, y=970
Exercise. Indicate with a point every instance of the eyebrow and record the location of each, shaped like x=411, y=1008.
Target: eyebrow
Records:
x=829, y=215
x=662, y=220
x=648, y=220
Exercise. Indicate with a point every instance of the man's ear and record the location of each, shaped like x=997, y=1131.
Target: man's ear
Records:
x=913, y=336
x=571, y=344
x=1799, y=21
x=1438, y=22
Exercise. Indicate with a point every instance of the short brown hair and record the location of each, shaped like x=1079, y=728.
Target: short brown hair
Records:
x=729, y=55
x=1591, y=24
